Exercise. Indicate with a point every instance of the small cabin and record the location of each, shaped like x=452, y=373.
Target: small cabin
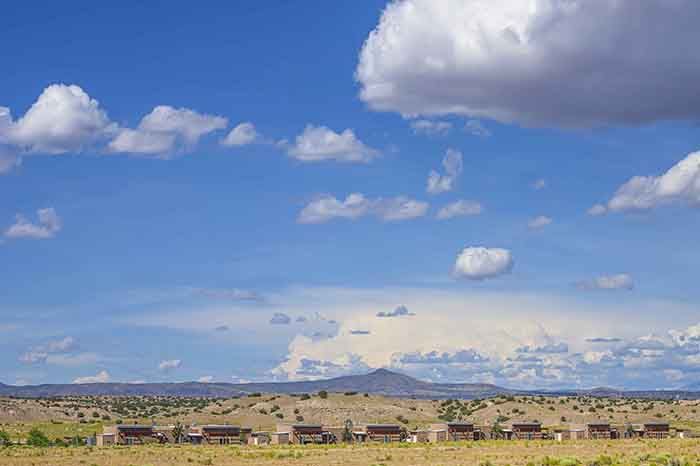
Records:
x=598, y=430
x=303, y=434
x=215, y=434
x=526, y=431
x=385, y=433
x=126, y=434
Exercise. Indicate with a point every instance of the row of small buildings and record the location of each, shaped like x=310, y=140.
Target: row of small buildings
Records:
x=285, y=434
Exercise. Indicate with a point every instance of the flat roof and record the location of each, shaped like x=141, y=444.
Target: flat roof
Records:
x=219, y=426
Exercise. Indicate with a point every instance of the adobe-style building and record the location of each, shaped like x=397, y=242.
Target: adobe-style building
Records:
x=303, y=434
x=526, y=431
x=384, y=433
x=215, y=435
x=599, y=431
x=457, y=431
x=651, y=429
x=125, y=434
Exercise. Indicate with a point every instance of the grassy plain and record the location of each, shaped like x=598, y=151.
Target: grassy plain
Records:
x=672, y=452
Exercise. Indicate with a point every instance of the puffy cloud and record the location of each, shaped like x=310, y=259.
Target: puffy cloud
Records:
x=319, y=143
x=141, y=142
x=620, y=281
x=480, y=263
x=400, y=311
x=100, y=377
x=453, y=165
x=63, y=119
x=535, y=62
x=169, y=364
x=164, y=129
x=280, y=318
x=356, y=205
x=475, y=128
x=459, y=208
x=48, y=225
x=41, y=353
x=431, y=127
x=309, y=368
x=538, y=222
x=242, y=135
x=681, y=183
x=206, y=379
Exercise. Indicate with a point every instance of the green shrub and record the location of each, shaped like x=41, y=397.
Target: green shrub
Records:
x=37, y=438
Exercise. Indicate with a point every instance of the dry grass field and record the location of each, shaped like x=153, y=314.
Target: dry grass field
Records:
x=672, y=452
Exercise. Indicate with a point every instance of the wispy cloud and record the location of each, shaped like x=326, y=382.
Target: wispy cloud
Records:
x=49, y=223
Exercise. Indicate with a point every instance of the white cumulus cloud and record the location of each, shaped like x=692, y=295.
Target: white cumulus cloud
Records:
x=680, y=184
x=63, y=119
x=480, y=263
x=564, y=63
x=319, y=143
x=356, y=205
x=166, y=129
x=452, y=163
x=49, y=223
x=242, y=135
x=459, y=209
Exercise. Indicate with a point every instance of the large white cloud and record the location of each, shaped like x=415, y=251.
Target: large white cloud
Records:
x=621, y=343
x=49, y=223
x=536, y=62
x=161, y=131
x=319, y=143
x=63, y=119
x=480, y=263
x=356, y=205
x=452, y=163
x=517, y=340
x=681, y=183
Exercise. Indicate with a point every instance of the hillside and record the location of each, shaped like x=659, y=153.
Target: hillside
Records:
x=379, y=382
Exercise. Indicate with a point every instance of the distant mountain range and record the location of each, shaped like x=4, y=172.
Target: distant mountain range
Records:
x=378, y=382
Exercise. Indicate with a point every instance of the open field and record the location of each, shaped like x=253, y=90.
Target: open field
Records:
x=624, y=452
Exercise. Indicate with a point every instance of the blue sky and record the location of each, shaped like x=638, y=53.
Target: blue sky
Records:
x=172, y=178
